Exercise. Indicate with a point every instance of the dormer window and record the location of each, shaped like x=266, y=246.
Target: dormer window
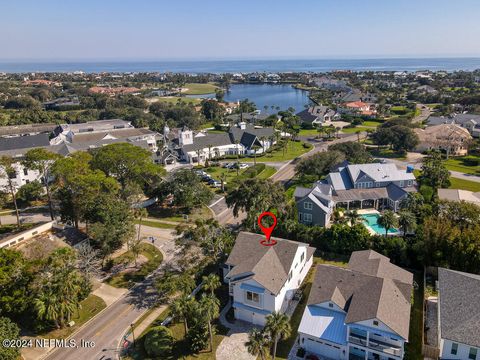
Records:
x=330, y=305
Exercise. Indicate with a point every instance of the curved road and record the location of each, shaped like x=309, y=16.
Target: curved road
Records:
x=107, y=328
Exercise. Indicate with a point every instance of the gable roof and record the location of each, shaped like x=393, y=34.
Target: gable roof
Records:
x=459, y=306
x=267, y=265
x=372, y=263
x=364, y=296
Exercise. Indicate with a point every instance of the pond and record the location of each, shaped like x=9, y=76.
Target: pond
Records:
x=276, y=95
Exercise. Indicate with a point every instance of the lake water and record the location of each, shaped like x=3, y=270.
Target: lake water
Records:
x=281, y=95
x=223, y=66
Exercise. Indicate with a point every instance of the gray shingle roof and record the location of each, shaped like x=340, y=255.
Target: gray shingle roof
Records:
x=202, y=142
x=268, y=265
x=24, y=142
x=364, y=296
x=459, y=306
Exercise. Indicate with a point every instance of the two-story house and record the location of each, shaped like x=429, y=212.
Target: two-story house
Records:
x=354, y=186
x=358, y=313
x=263, y=279
x=458, y=315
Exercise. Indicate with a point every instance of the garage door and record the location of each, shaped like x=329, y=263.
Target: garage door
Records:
x=244, y=315
x=323, y=348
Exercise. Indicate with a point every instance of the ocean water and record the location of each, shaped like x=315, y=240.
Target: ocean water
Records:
x=246, y=66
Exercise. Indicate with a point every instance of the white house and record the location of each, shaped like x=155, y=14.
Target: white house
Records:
x=263, y=279
x=358, y=313
x=458, y=314
x=243, y=139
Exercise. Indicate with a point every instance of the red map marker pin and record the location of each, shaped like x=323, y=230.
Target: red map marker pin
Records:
x=267, y=230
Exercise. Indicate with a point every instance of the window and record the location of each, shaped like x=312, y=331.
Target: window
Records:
x=253, y=297
x=307, y=218
x=308, y=205
x=454, y=349
x=330, y=305
x=300, y=216
x=472, y=354
x=25, y=171
x=302, y=257
x=402, y=183
x=375, y=322
x=409, y=182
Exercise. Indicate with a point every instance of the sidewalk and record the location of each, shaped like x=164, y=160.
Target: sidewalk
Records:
x=140, y=328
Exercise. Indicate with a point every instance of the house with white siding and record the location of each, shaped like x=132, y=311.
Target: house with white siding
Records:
x=263, y=279
x=458, y=315
x=361, y=312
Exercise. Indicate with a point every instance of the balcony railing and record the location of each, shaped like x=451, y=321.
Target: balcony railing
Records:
x=384, y=347
x=357, y=339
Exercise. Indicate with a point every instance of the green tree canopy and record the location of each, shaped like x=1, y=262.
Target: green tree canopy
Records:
x=9, y=331
x=319, y=164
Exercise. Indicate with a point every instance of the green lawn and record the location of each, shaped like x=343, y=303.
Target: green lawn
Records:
x=127, y=279
x=294, y=149
x=231, y=174
x=176, y=99
x=387, y=153
x=413, y=349
x=207, y=125
x=90, y=307
x=354, y=129
x=169, y=214
x=372, y=123
x=200, y=89
x=458, y=164
x=464, y=184
x=458, y=183
x=308, y=132
x=156, y=224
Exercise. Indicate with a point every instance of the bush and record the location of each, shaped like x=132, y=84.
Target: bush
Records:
x=253, y=171
x=158, y=342
x=30, y=192
x=471, y=161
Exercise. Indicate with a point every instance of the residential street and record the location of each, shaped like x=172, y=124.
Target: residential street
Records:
x=107, y=329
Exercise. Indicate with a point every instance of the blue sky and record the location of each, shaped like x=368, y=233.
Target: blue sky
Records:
x=237, y=29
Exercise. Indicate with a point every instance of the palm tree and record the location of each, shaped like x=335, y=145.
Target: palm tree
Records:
x=139, y=214
x=211, y=283
x=209, y=152
x=179, y=309
x=255, y=148
x=210, y=306
x=223, y=178
x=278, y=327
x=257, y=342
x=320, y=131
x=9, y=172
x=407, y=221
x=352, y=216
x=388, y=220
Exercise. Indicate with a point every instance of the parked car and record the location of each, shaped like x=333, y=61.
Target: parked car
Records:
x=242, y=166
x=206, y=177
x=200, y=172
x=228, y=165
x=217, y=184
x=212, y=181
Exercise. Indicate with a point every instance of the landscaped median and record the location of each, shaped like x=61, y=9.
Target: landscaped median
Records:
x=132, y=274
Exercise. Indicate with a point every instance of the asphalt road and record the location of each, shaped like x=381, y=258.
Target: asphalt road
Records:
x=107, y=329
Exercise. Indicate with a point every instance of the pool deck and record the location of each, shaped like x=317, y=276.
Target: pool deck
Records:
x=370, y=230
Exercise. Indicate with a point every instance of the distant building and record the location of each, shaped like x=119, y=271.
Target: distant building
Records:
x=317, y=115
x=451, y=138
x=240, y=139
x=61, y=103
x=361, y=312
x=112, y=91
x=471, y=122
x=459, y=195
x=358, y=108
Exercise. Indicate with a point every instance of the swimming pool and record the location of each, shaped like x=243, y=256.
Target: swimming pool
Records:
x=371, y=220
